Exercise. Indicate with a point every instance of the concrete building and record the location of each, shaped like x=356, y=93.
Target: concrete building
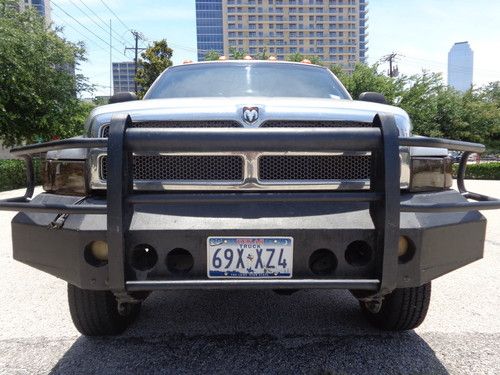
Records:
x=460, y=66
x=333, y=30
x=42, y=6
x=123, y=77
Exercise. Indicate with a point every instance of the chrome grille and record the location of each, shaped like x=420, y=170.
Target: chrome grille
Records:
x=183, y=168
x=176, y=124
x=315, y=124
x=317, y=167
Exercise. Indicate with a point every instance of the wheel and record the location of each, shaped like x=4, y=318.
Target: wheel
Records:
x=95, y=313
x=401, y=310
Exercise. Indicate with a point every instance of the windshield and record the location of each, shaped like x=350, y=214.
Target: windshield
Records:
x=246, y=79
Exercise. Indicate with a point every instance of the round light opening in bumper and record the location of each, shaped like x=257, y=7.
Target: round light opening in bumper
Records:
x=179, y=261
x=144, y=257
x=96, y=253
x=406, y=250
x=323, y=262
x=358, y=253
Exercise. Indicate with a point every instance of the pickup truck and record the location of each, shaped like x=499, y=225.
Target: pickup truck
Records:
x=247, y=174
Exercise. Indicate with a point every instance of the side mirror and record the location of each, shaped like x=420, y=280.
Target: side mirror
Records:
x=374, y=97
x=122, y=97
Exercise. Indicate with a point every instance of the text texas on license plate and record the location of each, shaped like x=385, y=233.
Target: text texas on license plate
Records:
x=249, y=257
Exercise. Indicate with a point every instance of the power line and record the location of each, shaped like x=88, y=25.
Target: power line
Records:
x=114, y=14
x=103, y=22
x=90, y=18
x=81, y=34
x=86, y=28
x=180, y=46
x=451, y=65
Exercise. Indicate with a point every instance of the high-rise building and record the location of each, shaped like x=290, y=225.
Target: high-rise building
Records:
x=42, y=6
x=209, y=28
x=123, y=77
x=333, y=30
x=460, y=66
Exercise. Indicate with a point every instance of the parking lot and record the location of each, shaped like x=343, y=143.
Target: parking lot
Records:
x=310, y=332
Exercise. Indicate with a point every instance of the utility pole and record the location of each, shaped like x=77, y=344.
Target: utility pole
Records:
x=110, y=60
x=391, y=59
x=137, y=36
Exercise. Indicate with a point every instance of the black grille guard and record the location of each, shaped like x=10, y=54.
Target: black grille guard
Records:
x=384, y=196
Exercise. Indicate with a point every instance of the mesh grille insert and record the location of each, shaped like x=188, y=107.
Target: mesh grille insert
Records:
x=173, y=167
x=318, y=167
x=177, y=124
x=316, y=124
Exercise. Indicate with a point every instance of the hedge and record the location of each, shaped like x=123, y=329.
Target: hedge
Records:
x=483, y=171
x=13, y=174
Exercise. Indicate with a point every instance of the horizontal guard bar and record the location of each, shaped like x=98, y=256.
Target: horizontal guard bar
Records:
x=490, y=204
x=60, y=145
x=149, y=285
x=348, y=139
x=441, y=143
x=252, y=198
x=90, y=209
x=450, y=207
x=242, y=140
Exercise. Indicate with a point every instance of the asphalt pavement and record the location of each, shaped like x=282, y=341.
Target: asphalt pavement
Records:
x=248, y=332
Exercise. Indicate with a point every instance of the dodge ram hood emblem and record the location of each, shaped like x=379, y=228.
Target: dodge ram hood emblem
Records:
x=250, y=114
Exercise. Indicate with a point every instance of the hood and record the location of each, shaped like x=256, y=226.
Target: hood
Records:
x=292, y=109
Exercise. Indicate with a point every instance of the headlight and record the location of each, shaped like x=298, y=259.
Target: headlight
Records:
x=430, y=173
x=64, y=177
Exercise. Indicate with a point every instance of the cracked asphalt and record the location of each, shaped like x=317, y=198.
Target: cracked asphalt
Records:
x=247, y=332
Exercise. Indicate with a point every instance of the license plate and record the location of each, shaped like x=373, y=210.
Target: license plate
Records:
x=249, y=257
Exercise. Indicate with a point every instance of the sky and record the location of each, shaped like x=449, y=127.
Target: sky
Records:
x=420, y=31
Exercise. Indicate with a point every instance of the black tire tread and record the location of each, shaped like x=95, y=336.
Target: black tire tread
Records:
x=95, y=313
x=403, y=309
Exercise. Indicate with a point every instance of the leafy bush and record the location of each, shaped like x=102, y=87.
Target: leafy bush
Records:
x=483, y=171
x=13, y=174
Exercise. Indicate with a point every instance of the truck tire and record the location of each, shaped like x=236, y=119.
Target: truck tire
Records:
x=95, y=313
x=401, y=310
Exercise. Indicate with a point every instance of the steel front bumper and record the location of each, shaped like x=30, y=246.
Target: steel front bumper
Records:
x=442, y=241
x=443, y=227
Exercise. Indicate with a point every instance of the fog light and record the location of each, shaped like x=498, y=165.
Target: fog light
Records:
x=96, y=253
x=403, y=246
x=99, y=250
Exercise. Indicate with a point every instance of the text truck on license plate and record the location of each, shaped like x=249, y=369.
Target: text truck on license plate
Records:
x=249, y=257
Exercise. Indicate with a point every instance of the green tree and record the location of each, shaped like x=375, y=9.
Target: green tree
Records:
x=38, y=95
x=420, y=99
x=262, y=55
x=298, y=57
x=212, y=56
x=237, y=54
x=491, y=94
x=435, y=109
x=154, y=60
x=367, y=78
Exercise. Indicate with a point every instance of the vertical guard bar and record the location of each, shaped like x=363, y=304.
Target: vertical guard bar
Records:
x=30, y=181
x=461, y=172
x=119, y=186
x=385, y=213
